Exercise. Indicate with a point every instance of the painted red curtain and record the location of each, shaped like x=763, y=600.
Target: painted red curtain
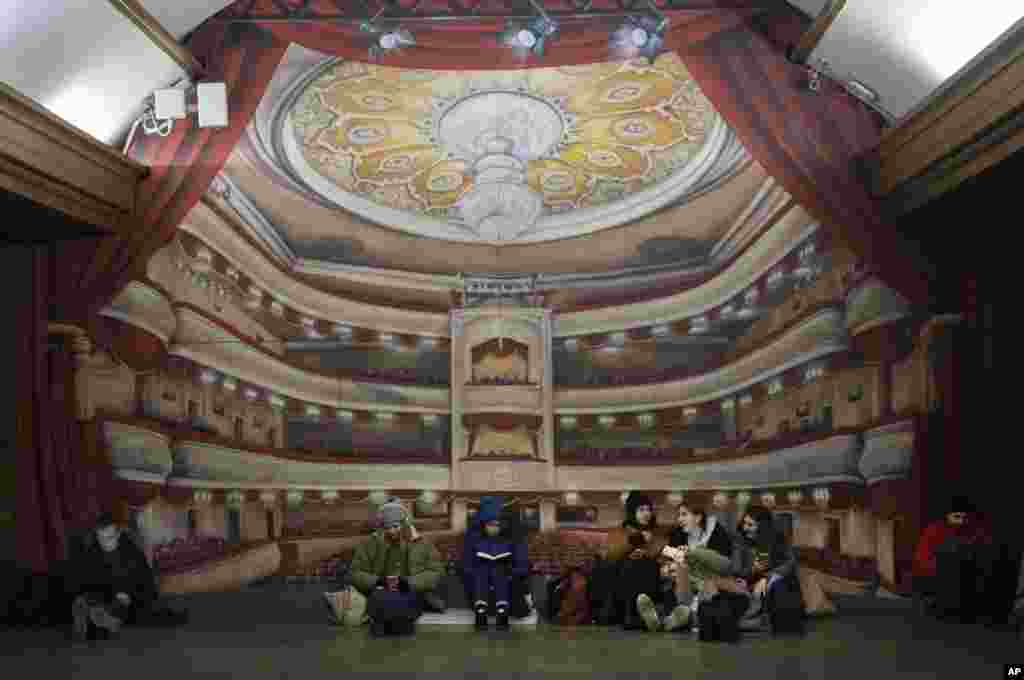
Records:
x=62, y=474
x=810, y=143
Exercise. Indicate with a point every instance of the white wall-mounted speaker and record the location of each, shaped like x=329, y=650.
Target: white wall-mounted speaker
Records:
x=212, y=104
x=168, y=104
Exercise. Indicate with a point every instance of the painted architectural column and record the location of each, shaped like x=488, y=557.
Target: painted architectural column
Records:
x=459, y=512
x=547, y=451
x=548, y=508
x=457, y=324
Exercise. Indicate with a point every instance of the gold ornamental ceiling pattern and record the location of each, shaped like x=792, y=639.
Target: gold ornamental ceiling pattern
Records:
x=500, y=154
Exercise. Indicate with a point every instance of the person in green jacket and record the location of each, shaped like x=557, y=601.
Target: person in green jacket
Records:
x=395, y=572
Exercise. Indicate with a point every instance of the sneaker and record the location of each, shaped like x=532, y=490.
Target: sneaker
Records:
x=101, y=618
x=648, y=612
x=679, y=617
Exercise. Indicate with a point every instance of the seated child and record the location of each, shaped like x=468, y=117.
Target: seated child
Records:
x=491, y=559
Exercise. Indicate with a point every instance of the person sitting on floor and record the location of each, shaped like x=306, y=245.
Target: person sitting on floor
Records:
x=492, y=559
x=700, y=552
x=961, y=567
x=634, y=550
x=111, y=584
x=395, y=572
x=766, y=566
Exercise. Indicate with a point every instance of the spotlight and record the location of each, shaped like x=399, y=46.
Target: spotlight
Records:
x=526, y=38
x=641, y=35
x=533, y=36
x=395, y=40
x=388, y=40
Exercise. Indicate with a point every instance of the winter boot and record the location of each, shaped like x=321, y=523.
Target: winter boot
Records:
x=104, y=620
x=649, y=614
x=481, y=616
x=631, y=620
x=502, y=611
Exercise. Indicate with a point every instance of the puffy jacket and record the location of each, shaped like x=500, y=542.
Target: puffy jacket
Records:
x=421, y=563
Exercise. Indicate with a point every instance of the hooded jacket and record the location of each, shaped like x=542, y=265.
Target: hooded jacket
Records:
x=506, y=541
x=420, y=563
x=937, y=533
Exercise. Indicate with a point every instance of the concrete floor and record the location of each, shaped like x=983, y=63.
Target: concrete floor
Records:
x=280, y=632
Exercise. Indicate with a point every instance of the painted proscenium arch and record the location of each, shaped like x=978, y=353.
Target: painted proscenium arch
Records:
x=273, y=138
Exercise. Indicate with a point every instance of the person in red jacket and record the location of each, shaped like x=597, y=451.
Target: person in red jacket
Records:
x=953, y=559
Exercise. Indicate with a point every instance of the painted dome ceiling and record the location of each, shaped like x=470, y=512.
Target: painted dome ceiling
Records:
x=500, y=157
x=603, y=181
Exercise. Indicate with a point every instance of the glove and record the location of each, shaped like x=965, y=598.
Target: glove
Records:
x=403, y=585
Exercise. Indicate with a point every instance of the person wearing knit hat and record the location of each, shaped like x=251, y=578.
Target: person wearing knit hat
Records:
x=394, y=572
x=491, y=559
x=953, y=565
x=633, y=551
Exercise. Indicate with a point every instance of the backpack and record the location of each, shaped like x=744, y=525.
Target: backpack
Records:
x=786, y=610
x=717, y=621
x=556, y=589
x=575, y=606
x=568, y=600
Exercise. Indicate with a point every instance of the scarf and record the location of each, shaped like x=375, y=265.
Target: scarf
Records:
x=699, y=539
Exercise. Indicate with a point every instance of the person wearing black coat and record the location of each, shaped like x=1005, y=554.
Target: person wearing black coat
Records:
x=767, y=565
x=632, y=568
x=111, y=584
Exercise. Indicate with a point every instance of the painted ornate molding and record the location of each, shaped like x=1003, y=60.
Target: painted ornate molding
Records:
x=208, y=226
x=145, y=307
x=780, y=240
x=888, y=452
x=816, y=337
x=871, y=304
x=821, y=462
x=203, y=465
x=206, y=343
x=502, y=399
x=137, y=453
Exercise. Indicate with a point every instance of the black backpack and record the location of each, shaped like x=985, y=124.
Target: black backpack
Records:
x=556, y=589
x=786, y=611
x=717, y=621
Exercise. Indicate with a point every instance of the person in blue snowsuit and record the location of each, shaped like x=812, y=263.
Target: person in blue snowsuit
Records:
x=487, y=536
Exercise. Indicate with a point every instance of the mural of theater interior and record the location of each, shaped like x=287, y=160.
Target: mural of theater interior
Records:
x=557, y=284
